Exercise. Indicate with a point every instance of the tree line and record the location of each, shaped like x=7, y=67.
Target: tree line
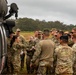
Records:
x=28, y=24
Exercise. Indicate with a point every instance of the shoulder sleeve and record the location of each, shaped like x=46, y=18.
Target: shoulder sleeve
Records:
x=37, y=52
x=23, y=40
x=74, y=47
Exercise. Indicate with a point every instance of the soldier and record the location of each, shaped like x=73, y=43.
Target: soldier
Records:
x=30, y=51
x=44, y=52
x=70, y=42
x=9, y=55
x=38, y=37
x=16, y=47
x=22, y=40
x=74, y=48
x=58, y=34
x=74, y=31
x=53, y=33
x=65, y=57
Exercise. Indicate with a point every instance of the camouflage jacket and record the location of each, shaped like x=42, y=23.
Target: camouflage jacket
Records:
x=30, y=48
x=23, y=41
x=55, y=41
x=74, y=49
x=44, y=52
x=65, y=59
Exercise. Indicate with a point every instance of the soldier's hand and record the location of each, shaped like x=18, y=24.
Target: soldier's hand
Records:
x=31, y=65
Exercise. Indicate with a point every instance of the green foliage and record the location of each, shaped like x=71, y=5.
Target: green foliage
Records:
x=28, y=24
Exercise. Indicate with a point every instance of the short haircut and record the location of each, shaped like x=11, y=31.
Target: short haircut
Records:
x=74, y=29
x=64, y=38
x=46, y=32
x=60, y=32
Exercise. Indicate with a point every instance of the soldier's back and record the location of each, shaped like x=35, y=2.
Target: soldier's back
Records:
x=64, y=59
x=47, y=47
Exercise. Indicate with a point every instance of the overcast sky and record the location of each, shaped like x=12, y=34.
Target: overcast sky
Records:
x=49, y=10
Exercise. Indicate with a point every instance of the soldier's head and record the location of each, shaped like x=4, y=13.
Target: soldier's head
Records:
x=74, y=31
x=59, y=34
x=64, y=39
x=40, y=34
x=36, y=33
x=74, y=38
x=11, y=34
x=53, y=31
x=18, y=31
x=46, y=33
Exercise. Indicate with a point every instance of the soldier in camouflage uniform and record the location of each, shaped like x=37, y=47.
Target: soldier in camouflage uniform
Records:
x=30, y=51
x=53, y=33
x=9, y=54
x=74, y=48
x=44, y=52
x=16, y=47
x=65, y=57
x=56, y=37
x=22, y=40
x=70, y=42
x=56, y=40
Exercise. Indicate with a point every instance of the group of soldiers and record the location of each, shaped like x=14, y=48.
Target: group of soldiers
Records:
x=45, y=55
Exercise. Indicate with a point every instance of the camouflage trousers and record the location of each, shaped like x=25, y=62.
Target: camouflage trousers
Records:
x=32, y=69
x=16, y=63
x=44, y=70
x=9, y=65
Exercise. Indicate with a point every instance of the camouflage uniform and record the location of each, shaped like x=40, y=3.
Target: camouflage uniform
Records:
x=70, y=42
x=56, y=45
x=22, y=56
x=22, y=40
x=16, y=49
x=9, y=57
x=55, y=41
x=30, y=51
x=44, y=52
x=74, y=66
x=65, y=60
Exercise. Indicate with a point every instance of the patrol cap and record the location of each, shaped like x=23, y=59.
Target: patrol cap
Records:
x=18, y=30
x=64, y=37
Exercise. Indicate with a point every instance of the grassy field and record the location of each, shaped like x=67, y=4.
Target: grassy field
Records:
x=27, y=34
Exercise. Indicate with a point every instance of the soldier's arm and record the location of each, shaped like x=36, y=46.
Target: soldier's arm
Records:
x=17, y=46
x=55, y=58
x=37, y=52
x=24, y=42
x=74, y=52
x=14, y=47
